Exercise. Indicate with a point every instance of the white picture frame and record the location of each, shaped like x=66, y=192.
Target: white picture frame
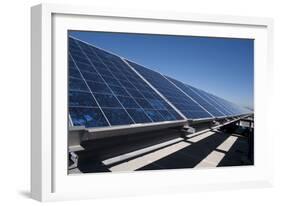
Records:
x=49, y=179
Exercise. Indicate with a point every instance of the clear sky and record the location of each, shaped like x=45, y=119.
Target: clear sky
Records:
x=222, y=66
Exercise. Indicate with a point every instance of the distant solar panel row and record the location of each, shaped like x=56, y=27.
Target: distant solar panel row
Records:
x=105, y=90
x=198, y=97
x=185, y=104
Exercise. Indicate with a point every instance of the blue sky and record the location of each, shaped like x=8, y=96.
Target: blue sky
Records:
x=222, y=66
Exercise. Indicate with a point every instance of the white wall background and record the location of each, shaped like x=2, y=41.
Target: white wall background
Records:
x=15, y=100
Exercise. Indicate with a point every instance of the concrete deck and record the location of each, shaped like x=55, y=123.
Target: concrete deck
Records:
x=168, y=151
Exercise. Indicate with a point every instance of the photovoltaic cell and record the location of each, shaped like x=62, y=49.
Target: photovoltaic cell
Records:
x=83, y=99
x=105, y=91
x=188, y=107
x=88, y=117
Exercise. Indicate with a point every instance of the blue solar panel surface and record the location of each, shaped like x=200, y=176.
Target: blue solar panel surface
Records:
x=221, y=103
x=230, y=108
x=211, y=108
x=211, y=100
x=188, y=107
x=105, y=91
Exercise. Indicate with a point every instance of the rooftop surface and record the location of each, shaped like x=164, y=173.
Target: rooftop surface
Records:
x=169, y=149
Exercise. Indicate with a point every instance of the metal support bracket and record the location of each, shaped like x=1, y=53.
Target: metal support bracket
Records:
x=74, y=158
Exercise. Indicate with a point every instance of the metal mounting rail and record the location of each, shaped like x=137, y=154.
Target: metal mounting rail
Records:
x=215, y=127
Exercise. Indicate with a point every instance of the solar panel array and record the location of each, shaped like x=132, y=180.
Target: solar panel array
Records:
x=106, y=90
x=184, y=103
x=198, y=97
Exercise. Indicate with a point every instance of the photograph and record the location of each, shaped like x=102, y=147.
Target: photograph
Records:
x=143, y=102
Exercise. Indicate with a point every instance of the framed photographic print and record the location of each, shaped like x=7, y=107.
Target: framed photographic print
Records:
x=135, y=102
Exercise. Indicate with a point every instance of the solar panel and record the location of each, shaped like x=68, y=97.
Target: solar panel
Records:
x=223, y=103
x=105, y=91
x=190, y=108
x=209, y=98
x=194, y=94
x=231, y=108
x=238, y=109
